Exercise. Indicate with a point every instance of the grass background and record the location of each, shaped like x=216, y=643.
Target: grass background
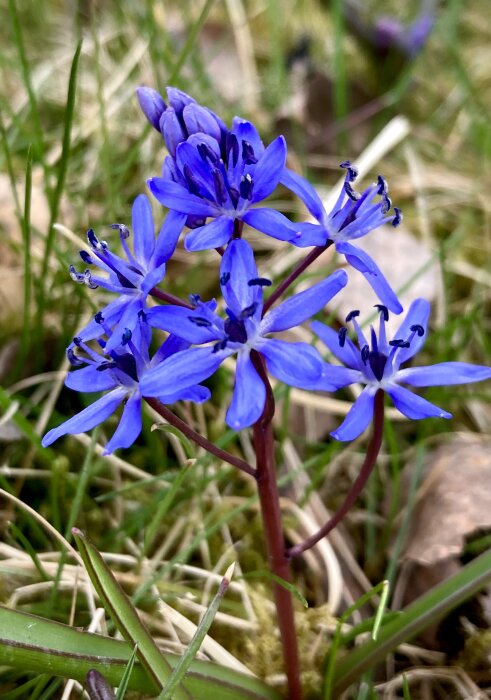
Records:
x=76, y=151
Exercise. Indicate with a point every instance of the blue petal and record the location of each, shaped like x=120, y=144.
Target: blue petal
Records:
x=306, y=234
x=418, y=314
x=246, y=131
x=296, y=364
x=168, y=236
x=414, y=406
x=111, y=314
x=176, y=197
x=89, y=379
x=248, y=397
x=143, y=230
x=361, y=261
x=129, y=426
x=212, y=235
x=302, y=306
x=197, y=393
x=171, y=130
x=169, y=347
x=270, y=222
x=334, y=377
x=348, y=354
x=178, y=320
x=182, y=370
x=152, y=105
x=237, y=268
x=189, y=158
x=153, y=278
x=88, y=418
x=358, y=417
x=304, y=190
x=444, y=374
x=198, y=119
x=179, y=99
x=130, y=318
x=269, y=169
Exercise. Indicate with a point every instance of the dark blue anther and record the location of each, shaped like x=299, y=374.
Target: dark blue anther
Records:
x=397, y=217
x=246, y=186
x=94, y=242
x=399, y=343
x=352, y=314
x=76, y=276
x=260, y=282
x=78, y=341
x=126, y=337
x=382, y=185
x=352, y=194
x=383, y=310
x=224, y=278
x=342, y=336
x=221, y=345
x=235, y=330
x=248, y=155
x=86, y=257
x=73, y=359
x=351, y=170
x=219, y=184
x=194, y=299
x=233, y=146
x=124, y=231
x=207, y=153
x=192, y=182
x=417, y=328
x=234, y=195
x=200, y=321
x=142, y=315
x=365, y=353
x=249, y=311
x=386, y=204
x=99, y=318
x=107, y=364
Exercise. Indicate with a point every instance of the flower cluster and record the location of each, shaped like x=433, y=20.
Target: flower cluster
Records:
x=212, y=182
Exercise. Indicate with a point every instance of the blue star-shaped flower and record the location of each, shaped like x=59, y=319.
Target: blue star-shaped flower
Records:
x=378, y=366
x=133, y=278
x=222, y=181
x=245, y=329
x=119, y=373
x=353, y=216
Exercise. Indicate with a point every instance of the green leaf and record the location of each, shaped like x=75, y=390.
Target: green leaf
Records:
x=124, y=614
x=426, y=610
x=33, y=644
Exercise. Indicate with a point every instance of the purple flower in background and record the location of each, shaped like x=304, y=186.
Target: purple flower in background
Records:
x=378, y=366
x=119, y=373
x=207, y=179
x=131, y=278
x=353, y=216
x=245, y=329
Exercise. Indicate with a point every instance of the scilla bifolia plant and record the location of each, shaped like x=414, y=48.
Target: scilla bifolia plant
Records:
x=214, y=180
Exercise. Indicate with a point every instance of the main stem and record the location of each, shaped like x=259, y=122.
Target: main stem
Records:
x=358, y=485
x=269, y=500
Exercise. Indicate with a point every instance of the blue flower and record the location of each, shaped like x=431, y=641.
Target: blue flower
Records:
x=378, y=366
x=179, y=119
x=119, y=373
x=353, y=216
x=222, y=181
x=133, y=278
x=245, y=329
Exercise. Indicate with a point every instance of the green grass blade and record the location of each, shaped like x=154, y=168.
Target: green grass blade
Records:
x=426, y=610
x=123, y=614
x=60, y=180
x=47, y=647
x=193, y=647
x=126, y=677
x=26, y=249
x=190, y=42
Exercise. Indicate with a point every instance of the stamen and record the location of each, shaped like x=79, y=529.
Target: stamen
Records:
x=207, y=153
x=87, y=280
x=142, y=315
x=352, y=315
x=200, y=321
x=386, y=204
x=73, y=359
x=76, y=276
x=399, y=343
x=248, y=155
x=106, y=365
x=383, y=310
x=224, y=279
x=260, y=282
x=352, y=170
x=221, y=345
x=249, y=311
x=397, y=217
x=86, y=257
x=417, y=328
x=94, y=242
x=219, y=184
x=246, y=186
x=234, y=195
x=194, y=299
x=342, y=336
x=99, y=318
x=382, y=185
x=365, y=353
x=352, y=194
x=126, y=336
x=233, y=146
x=78, y=341
x=192, y=182
x=124, y=231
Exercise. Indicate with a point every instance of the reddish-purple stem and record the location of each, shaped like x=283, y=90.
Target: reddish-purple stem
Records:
x=186, y=430
x=296, y=272
x=359, y=484
x=269, y=500
x=169, y=298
